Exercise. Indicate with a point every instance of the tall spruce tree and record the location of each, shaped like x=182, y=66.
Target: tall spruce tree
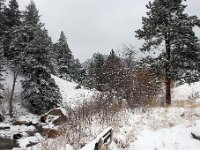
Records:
x=13, y=21
x=2, y=20
x=167, y=23
x=96, y=72
x=77, y=71
x=31, y=14
x=113, y=73
x=64, y=57
x=40, y=92
x=129, y=65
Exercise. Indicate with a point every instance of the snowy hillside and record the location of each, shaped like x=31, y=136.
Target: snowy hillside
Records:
x=71, y=95
x=7, y=83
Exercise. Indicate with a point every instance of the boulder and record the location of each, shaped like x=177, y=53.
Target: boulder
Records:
x=78, y=87
x=4, y=128
x=17, y=136
x=56, y=112
x=51, y=133
x=56, y=116
x=23, y=122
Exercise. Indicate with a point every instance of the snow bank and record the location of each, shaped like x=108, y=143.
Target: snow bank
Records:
x=186, y=92
x=178, y=137
x=72, y=96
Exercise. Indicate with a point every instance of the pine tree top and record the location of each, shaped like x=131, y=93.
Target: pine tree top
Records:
x=31, y=14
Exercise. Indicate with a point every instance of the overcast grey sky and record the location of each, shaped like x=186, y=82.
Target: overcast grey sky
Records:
x=96, y=25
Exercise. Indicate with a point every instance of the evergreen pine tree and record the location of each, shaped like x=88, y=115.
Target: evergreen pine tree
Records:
x=113, y=73
x=13, y=16
x=166, y=23
x=40, y=92
x=67, y=66
x=90, y=76
x=64, y=57
x=129, y=65
x=96, y=72
x=2, y=20
x=31, y=14
x=77, y=73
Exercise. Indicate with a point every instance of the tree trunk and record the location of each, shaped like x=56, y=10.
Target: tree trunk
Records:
x=168, y=90
x=167, y=70
x=12, y=93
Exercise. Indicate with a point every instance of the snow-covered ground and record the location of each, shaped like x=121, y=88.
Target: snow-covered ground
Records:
x=158, y=128
x=174, y=138
x=71, y=96
x=186, y=92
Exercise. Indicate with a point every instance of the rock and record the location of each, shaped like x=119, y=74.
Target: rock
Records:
x=78, y=87
x=51, y=133
x=31, y=133
x=56, y=112
x=43, y=118
x=4, y=128
x=60, y=120
x=17, y=136
x=183, y=114
x=23, y=122
x=30, y=144
x=18, y=122
x=7, y=143
x=56, y=116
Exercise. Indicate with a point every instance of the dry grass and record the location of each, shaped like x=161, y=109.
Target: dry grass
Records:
x=192, y=104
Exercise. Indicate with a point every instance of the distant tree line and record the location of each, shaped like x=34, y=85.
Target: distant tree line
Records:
x=122, y=77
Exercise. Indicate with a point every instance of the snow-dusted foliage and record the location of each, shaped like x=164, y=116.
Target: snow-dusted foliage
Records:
x=95, y=74
x=13, y=21
x=40, y=91
x=105, y=74
x=67, y=67
x=167, y=23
